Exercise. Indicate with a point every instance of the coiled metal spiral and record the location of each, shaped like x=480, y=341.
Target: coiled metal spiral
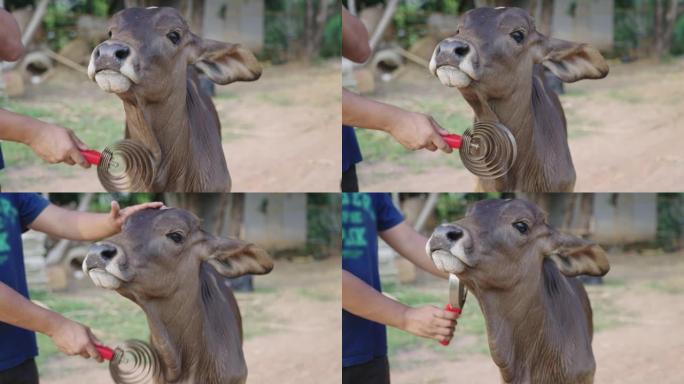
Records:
x=135, y=362
x=488, y=150
x=126, y=166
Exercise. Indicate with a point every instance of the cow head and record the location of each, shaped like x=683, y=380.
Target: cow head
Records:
x=159, y=252
x=149, y=50
x=495, y=49
x=501, y=242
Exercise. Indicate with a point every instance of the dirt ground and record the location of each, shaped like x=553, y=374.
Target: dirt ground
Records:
x=300, y=342
x=642, y=342
x=280, y=133
x=625, y=132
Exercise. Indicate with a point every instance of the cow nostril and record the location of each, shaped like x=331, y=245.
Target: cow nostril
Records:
x=454, y=234
x=122, y=53
x=108, y=253
x=461, y=50
x=439, y=49
x=97, y=52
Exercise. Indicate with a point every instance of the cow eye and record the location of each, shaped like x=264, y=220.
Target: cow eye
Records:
x=176, y=237
x=521, y=227
x=518, y=36
x=174, y=37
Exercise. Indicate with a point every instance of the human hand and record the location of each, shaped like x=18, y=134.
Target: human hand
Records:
x=56, y=144
x=430, y=322
x=73, y=338
x=417, y=131
x=117, y=215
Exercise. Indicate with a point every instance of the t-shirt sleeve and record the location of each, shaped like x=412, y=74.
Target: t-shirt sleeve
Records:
x=387, y=215
x=30, y=205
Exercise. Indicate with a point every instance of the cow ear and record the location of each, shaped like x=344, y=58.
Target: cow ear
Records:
x=233, y=258
x=571, y=61
x=574, y=256
x=224, y=63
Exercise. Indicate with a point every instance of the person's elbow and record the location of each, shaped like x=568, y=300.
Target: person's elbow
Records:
x=364, y=53
x=360, y=53
x=13, y=52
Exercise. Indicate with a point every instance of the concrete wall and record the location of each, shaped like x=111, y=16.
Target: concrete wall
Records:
x=235, y=21
x=592, y=22
x=622, y=218
x=276, y=221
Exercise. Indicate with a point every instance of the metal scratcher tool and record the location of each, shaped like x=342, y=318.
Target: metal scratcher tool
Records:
x=125, y=166
x=487, y=149
x=133, y=362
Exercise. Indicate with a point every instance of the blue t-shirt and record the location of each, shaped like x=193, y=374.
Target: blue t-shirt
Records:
x=363, y=216
x=351, y=154
x=17, y=211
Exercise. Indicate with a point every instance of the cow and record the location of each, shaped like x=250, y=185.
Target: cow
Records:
x=496, y=60
x=521, y=270
x=151, y=62
x=177, y=273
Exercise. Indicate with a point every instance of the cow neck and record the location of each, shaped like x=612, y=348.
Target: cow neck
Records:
x=530, y=325
x=521, y=113
x=198, y=315
x=164, y=129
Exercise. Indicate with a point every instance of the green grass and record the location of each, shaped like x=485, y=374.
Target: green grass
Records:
x=278, y=100
x=670, y=286
x=379, y=146
x=96, y=131
x=112, y=318
x=626, y=97
x=317, y=294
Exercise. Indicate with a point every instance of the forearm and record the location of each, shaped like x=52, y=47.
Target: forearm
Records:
x=411, y=245
x=16, y=310
x=362, y=300
x=361, y=112
x=18, y=128
x=74, y=225
x=11, y=48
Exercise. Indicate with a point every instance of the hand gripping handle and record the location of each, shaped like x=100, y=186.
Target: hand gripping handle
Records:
x=105, y=352
x=453, y=140
x=91, y=156
x=449, y=308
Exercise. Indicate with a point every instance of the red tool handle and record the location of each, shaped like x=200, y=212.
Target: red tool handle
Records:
x=106, y=352
x=92, y=156
x=453, y=140
x=449, y=308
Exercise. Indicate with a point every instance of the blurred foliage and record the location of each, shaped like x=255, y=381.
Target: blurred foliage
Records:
x=285, y=30
x=634, y=27
x=453, y=206
x=411, y=16
x=61, y=17
x=323, y=224
x=670, y=221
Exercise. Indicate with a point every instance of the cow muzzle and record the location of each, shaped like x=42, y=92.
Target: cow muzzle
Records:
x=454, y=62
x=111, y=67
x=101, y=264
x=449, y=247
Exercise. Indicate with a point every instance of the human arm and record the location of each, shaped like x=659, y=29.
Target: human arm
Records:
x=412, y=130
x=52, y=143
x=69, y=336
x=362, y=300
x=410, y=244
x=11, y=48
x=355, y=45
x=75, y=225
